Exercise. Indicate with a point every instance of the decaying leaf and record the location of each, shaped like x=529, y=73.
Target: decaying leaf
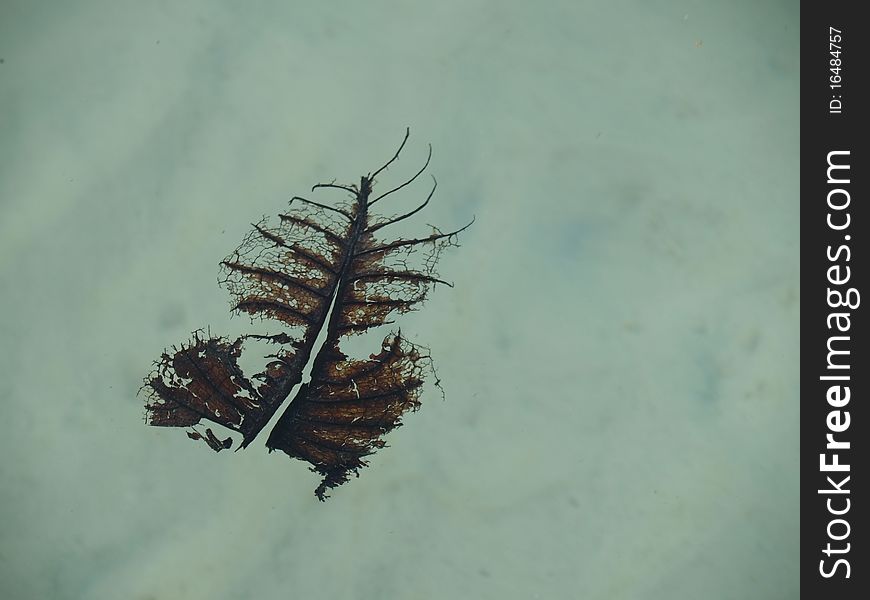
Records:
x=320, y=272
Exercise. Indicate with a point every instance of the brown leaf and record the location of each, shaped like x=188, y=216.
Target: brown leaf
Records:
x=320, y=269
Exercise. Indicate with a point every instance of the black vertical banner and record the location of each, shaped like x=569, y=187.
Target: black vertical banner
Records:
x=835, y=225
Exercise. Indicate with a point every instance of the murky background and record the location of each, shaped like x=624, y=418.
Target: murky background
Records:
x=619, y=354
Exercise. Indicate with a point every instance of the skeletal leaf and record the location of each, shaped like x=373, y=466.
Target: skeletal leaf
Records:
x=319, y=269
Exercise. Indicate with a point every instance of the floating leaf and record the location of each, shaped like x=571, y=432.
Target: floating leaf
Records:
x=320, y=272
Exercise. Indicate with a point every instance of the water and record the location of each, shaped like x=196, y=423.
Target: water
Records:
x=619, y=353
